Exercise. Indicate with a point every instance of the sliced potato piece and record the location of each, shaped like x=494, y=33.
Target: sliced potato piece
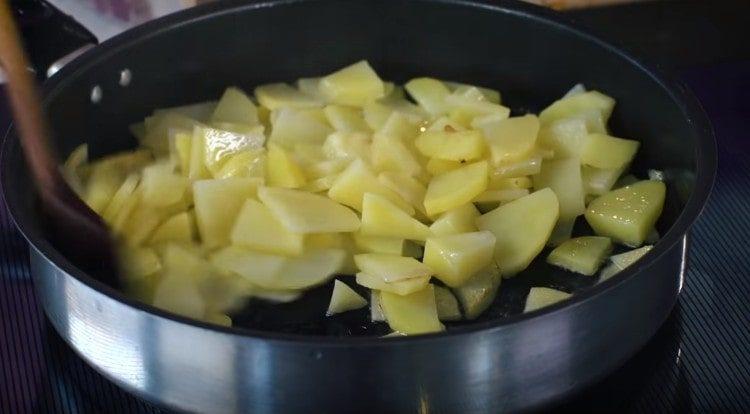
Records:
x=121, y=197
x=409, y=188
x=429, y=93
x=509, y=183
x=478, y=293
x=310, y=86
x=511, y=139
x=578, y=104
x=376, y=311
x=297, y=126
x=280, y=95
x=436, y=166
x=608, y=152
x=522, y=228
x=389, y=153
x=347, y=146
x=283, y=170
x=564, y=178
x=581, y=255
x=234, y=106
x=391, y=267
x=139, y=263
x=402, y=287
x=598, y=181
x=488, y=94
x=457, y=257
x=249, y=163
x=455, y=188
x=628, y=214
x=343, y=299
x=626, y=259
x=447, y=305
x=455, y=145
x=257, y=228
x=529, y=166
x=303, y=212
x=161, y=186
x=358, y=179
x=412, y=314
x=501, y=196
x=381, y=217
x=177, y=228
x=346, y=118
x=378, y=244
x=226, y=140
x=565, y=137
x=540, y=297
x=353, y=85
x=312, y=268
x=461, y=219
x=217, y=203
x=260, y=269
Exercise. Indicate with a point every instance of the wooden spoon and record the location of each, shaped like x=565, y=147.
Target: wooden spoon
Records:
x=76, y=230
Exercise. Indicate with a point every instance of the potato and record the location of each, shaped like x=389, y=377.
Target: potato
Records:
x=376, y=311
x=217, y=203
x=461, y=219
x=402, y=126
x=390, y=154
x=608, y=152
x=311, y=269
x=158, y=128
x=576, y=105
x=429, y=93
x=176, y=295
x=455, y=146
x=161, y=186
x=234, y=106
x=565, y=137
x=381, y=217
x=626, y=259
x=455, y=188
x=139, y=263
x=303, y=212
x=564, y=178
x=627, y=214
x=402, y=287
x=511, y=139
x=529, y=166
x=447, y=305
x=501, y=196
x=563, y=231
x=296, y=126
x=509, y=183
x=446, y=124
x=378, y=244
x=581, y=255
x=540, y=297
x=182, y=144
x=457, y=257
x=408, y=188
x=226, y=140
x=199, y=111
x=140, y=224
x=309, y=86
x=488, y=94
x=283, y=170
x=280, y=95
x=343, y=299
x=177, y=228
x=477, y=294
x=436, y=166
x=521, y=228
x=466, y=104
x=104, y=181
x=260, y=269
x=249, y=163
x=390, y=267
x=358, y=179
x=346, y=118
x=415, y=313
x=198, y=169
x=353, y=85
x=598, y=181
x=256, y=228
x=120, y=198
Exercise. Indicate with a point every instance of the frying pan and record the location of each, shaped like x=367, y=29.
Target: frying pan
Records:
x=293, y=359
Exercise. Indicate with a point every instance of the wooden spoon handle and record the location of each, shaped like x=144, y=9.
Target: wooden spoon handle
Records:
x=26, y=104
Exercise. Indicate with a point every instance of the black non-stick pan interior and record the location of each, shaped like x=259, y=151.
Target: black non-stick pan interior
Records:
x=531, y=60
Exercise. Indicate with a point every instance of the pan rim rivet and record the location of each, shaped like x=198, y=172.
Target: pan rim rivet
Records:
x=125, y=77
x=96, y=94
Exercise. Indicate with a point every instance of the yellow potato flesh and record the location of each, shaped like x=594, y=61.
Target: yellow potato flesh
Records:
x=280, y=95
x=283, y=171
x=303, y=212
x=234, y=106
x=402, y=287
x=353, y=85
x=380, y=217
x=390, y=267
x=455, y=146
x=358, y=179
x=343, y=299
x=256, y=228
x=455, y=188
x=217, y=203
x=627, y=214
x=461, y=219
x=582, y=255
x=511, y=139
x=415, y=313
x=429, y=93
x=521, y=228
x=608, y=152
x=456, y=258
x=540, y=297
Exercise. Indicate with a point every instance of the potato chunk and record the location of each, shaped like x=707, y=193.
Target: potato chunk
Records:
x=461, y=219
x=280, y=95
x=456, y=258
x=283, y=170
x=217, y=203
x=455, y=188
x=511, y=139
x=564, y=178
x=582, y=255
x=477, y=294
x=627, y=214
x=451, y=145
x=608, y=152
x=380, y=217
x=303, y=212
x=415, y=313
x=358, y=179
x=234, y=106
x=390, y=267
x=540, y=297
x=257, y=228
x=521, y=229
x=353, y=85
x=447, y=305
x=343, y=299
x=402, y=287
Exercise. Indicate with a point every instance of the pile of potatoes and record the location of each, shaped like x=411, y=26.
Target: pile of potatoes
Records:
x=427, y=201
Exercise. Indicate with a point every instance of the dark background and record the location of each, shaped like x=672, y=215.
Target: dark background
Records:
x=698, y=361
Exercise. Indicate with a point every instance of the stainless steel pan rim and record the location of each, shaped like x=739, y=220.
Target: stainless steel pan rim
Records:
x=706, y=170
